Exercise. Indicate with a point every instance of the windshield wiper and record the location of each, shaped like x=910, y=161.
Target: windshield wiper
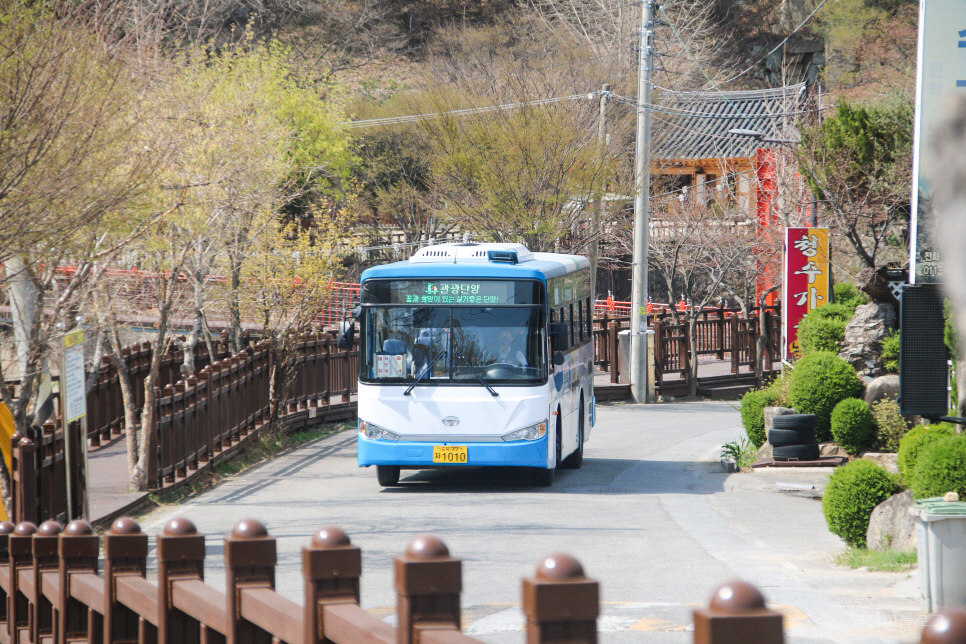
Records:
x=487, y=385
x=422, y=373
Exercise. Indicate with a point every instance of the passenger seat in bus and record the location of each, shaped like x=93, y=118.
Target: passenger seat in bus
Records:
x=396, y=347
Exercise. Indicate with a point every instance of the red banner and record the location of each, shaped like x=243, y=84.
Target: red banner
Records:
x=807, y=283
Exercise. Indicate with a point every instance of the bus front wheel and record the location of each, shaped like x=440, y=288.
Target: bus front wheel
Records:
x=388, y=475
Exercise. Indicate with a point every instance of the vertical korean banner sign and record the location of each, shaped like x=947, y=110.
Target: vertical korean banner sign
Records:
x=806, y=284
x=940, y=78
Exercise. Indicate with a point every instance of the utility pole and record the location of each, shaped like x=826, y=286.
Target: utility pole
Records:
x=595, y=216
x=641, y=197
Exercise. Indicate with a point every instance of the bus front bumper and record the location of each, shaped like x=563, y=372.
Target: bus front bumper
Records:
x=419, y=455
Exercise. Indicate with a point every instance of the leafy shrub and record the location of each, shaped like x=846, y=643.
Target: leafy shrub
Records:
x=940, y=468
x=753, y=406
x=779, y=387
x=912, y=443
x=847, y=294
x=890, y=352
x=852, y=493
x=890, y=426
x=852, y=424
x=833, y=311
x=743, y=453
x=820, y=334
x=819, y=381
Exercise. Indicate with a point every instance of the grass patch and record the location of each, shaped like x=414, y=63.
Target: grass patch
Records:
x=885, y=560
x=263, y=449
x=742, y=452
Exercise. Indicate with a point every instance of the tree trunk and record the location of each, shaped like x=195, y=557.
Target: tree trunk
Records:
x=234, y=330
x=130, y=415
x=690, y=319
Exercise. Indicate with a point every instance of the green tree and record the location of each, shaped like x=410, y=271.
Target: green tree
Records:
x=858, y=162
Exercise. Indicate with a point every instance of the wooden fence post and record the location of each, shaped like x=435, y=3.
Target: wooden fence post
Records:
x=614, y=350
x=181, y=555
x=331, y=567
x=948, y=626
x=5, y=529
x=561, y=604
x=125, y=555
x=44, y=546
x=737, y=615
x=78, y=548
x=250, y=556
x=428, y=586
x=19, y=544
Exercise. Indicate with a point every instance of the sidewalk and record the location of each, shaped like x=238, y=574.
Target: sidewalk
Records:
x=109, y=494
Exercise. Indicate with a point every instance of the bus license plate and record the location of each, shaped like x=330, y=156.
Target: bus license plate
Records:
x=449, y=454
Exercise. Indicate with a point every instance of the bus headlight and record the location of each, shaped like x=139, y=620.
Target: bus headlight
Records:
x=529, y=433
x=375, y=432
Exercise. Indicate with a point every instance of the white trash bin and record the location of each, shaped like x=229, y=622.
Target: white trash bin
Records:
x=941, y=537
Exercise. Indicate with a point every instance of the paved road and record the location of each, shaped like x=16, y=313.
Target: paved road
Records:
x=650, y=515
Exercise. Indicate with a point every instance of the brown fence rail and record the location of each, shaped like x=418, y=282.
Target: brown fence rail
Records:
x=200, y=422
x=54, y=593
x=719, y=332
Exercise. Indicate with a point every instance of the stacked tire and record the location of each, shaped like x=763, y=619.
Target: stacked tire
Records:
x=792, y=438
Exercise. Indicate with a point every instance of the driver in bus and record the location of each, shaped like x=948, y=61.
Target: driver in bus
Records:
x=507, y=352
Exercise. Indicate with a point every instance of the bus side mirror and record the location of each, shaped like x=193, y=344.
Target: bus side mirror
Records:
x=357, y=312
x=347, y=335
x=558, y=337
x=558, y=358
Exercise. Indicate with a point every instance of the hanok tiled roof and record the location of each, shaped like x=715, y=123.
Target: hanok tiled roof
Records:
x=702, y=132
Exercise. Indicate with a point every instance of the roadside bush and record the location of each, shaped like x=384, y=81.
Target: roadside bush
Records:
x=912, y=443
x=833, y=311
x=890, y=352
x=846, y=293
x=890, y=426
x=753, y=406
x=852, y=424
x=819, y=381
x=852, y=493
x=820, y=334
x=940, y=468
x=779, y=387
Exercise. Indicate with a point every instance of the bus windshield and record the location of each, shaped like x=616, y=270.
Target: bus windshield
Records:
x=503, y=345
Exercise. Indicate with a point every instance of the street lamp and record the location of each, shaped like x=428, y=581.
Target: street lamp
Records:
x=760, y=136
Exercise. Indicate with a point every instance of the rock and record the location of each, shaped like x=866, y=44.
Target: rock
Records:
x=862, y=346
x=764, y=451
x=883, y=387
x=888, y=461
x=831, y=449
x=770, y=412
x=728, y=465
x=891, y=526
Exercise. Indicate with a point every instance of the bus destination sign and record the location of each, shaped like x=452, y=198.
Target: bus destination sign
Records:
x=483, y=292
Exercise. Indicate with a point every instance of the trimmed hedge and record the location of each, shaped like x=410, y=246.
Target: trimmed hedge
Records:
x=890, y=426
x=846, y=293
x=852, y=424
x=940, y=468
x=912, y=443
x=753, y=406
x=820, y=334
x=852, y=493
x=819, y=381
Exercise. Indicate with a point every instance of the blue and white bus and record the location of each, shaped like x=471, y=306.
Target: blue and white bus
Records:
x=476, y=355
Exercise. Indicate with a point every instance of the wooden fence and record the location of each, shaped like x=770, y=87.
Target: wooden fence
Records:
x=54, y=593
x=199, y=422
x=719, y=332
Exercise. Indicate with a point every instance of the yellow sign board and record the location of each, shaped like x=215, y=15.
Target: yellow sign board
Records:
x=73, y=338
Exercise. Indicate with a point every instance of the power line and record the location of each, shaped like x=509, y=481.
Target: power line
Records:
x=412, y=118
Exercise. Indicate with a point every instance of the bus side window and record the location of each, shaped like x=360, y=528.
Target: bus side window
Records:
x=570, y=323
x=590, y=318
x=580, y=319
